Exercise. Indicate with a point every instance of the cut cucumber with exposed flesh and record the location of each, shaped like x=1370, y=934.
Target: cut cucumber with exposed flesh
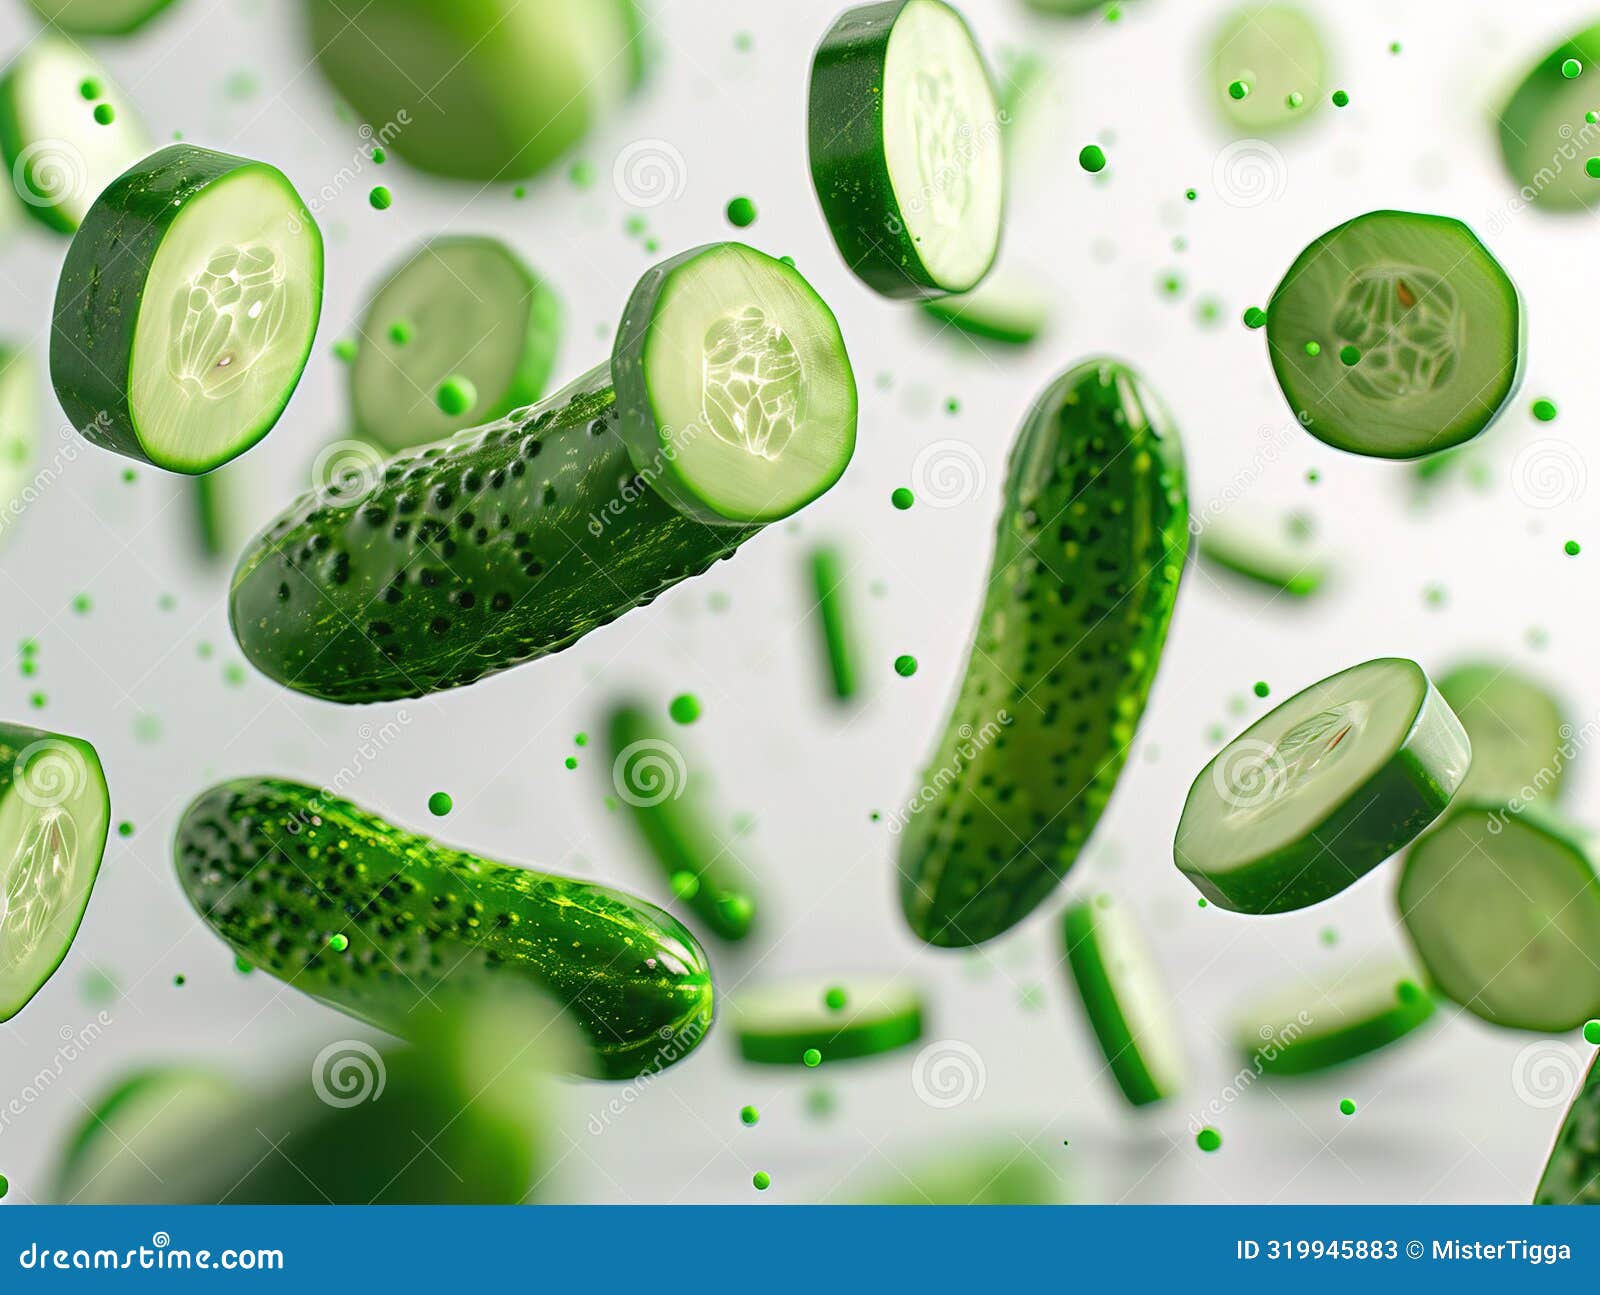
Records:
x=1327, y=1023
x=59, y=154
x=1276, y=52
x=1396, y=335
x=1504, y=911
x=1545, y=136
x=55, y=814
x=1091, y=543
x=835, y=621
x=1008, y=1172
x=1521, y=742
x=1003, y=308
x=99, y=17
x=351, y=596
x=1124, y=999
x=906, y=151
x=840, y=1018
x=1321, y=790
x=462, y=309
x=186, y=309
x=1278, y=552
x=277, y=868
x=1572, y=1173
x=19, y=434
x=495, y=90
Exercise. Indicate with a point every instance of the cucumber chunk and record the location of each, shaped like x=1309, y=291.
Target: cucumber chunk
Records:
x=1327, y=1023
x=778, y=1024
x=1004, y=1172
x=19, y=433
x=1278, y=552
x=1572, y=1173
x=1091, y=542
x=1504, y=911
x=906, y=151
x=351, y=595
x=494, y=90
x=1003, y=308
x=99, y=17
x=1124, y=999
x=1277, y=51
x=186, y=309
x=1396, y=335
x=1544, y=137
x=276, y=868
x=1320, y=791
x=460, y=307
x=836, y=622
x=55, y=814
x=1067, y=8
x=1521, y=741
x=60, y=157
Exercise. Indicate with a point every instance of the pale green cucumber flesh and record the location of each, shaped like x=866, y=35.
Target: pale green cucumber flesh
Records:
x=19, y=434
x=1277, y=552
x=1521, y=741
x=1002, y=1172
x=99, y=17
x=1329, y=1022
x=777, y=1024
x=1572, y=1173
x=1277, y=52
x=1545, y=134
x=1005, y=307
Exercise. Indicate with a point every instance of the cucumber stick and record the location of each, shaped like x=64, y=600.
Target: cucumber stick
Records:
x=59, y=153
x=55, y=815
x=99, y=17
x=186, y=309
x=1092, y=540
x=1545, y=137
x=463, y=310
x=1317, y=1026
x=19, y=432
x=835, y=621
x=277, y=868
x=1572, y=1173
x=906, y=150
x=1279, y=553
x=1521, y=740
x=729, y=401
x=841, y=1019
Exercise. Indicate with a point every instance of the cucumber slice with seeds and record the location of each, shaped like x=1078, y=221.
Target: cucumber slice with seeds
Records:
x=99, y=17
x=1521, y=743
x=1397, y=335
x=186, y=309
x=59, y=155
x=841, y=1019
x=906, y=150
x=1124, y=999
x=55, y=815
x=1003, y=308
x=1278, y=552
x=19, y=433
x=1320, y=791
x=1545, y=137
x=1277, y=52
x=1327, y=1023
x=461, y=307
x=1504, y=911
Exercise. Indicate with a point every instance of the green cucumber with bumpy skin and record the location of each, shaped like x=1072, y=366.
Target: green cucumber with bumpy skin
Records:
x=1572, y=1173
x=1093, y=536
x=278, y=869
x=734, y=404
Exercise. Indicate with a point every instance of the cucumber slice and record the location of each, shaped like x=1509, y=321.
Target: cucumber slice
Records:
x=777, y=1024
x=1123, y=997
x=1572, y=1173
x=186, y=309
x=1067, y=8
x=1397, y=335
x=836, y=622
x=1320, y=791
x=1504, y=911
x=55, y=815
x=1277, y=51
x=495, y=90
x=1278, y=552
x=1006, y=1173
x=460, y=307
x=19, y=432
x=1521, y=742
x=1003, y=308
x=99, y=17
x=1544, y=137
x=60, y=157
x=1324, y=1024
x=906, y=151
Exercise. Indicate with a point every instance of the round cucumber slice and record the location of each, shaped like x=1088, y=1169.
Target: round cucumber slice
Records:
x=737, y=397
x=1276, y=51
x=19, y=432
x=59, y=154
x=461, y=308
x=1396, y=335
x=1504, y=911
x=186, y=309
x=1320, y=791
x=1278, y=552
x=1520, y=740
x=55, y=815
x=1125, y=1001
x=1317, y=1026
x=99, y=17
x=841, y=1019
x=1003, y=308
x=1545, y=138
x=906, y=149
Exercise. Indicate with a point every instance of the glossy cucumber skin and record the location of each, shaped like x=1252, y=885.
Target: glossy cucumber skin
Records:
x=277, y=867
x=1572, y=1173
x=1092, y=542
x=494, y=547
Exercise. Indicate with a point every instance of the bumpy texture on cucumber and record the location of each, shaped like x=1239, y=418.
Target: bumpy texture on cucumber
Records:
x=1572, y=1174
x=1092, y=542
x=276, y=868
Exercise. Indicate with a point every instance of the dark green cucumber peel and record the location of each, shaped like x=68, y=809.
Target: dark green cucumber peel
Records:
x=1572, y=1172
x=277, y=867
x=1092, y=541
x=778, y=1024
x=1319, y=1029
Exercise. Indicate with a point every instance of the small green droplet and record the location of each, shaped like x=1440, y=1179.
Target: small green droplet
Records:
x=1208, y=1139
x=124, y=828
x=1254, y=317
x=104, y=113
x=684, y=708
x=1571, y=69
x=581, y=739
x=1544, y=410
x=1294, y=99
x=811, y=1057
x=1347, y=1107
x=338, y=943
x=905, y=666
x=762, y=1180
x=5, y=1186
x=456, y=395
x=835, y=998
x=902, y=498
x=742, y=212
x=1573, y=548
x=1349, y=356
x=180, y=980
x=1261, y=689
x=685, y=885
x=749, y=1115
x=1092, y=158
x=401, y=332
x=379, y=157
x=90, y=88
x=1203, y=903
x=1341, y=99
x=1191, y=194
x=381, y=199
x=1313, y=349
x=83, y=604
x=1591, y=1032
x=344, y=350
x=241, y=966
x=1238, y=89
x=440, y=804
